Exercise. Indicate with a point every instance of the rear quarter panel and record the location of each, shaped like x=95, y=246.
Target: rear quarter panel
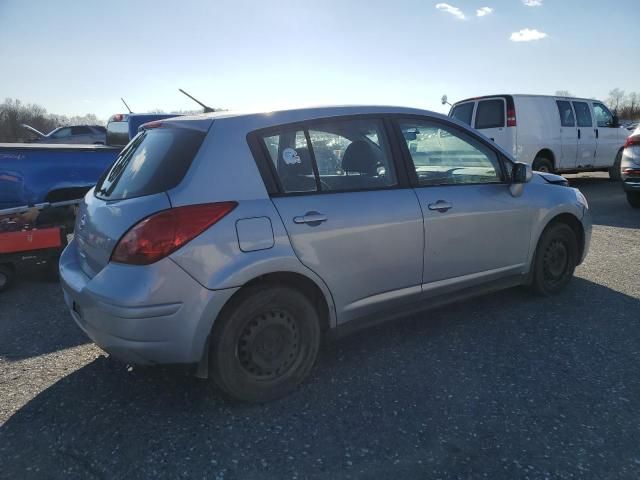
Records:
x=29, y=172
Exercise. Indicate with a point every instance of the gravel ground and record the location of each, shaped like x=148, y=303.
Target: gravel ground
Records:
x=505, y=386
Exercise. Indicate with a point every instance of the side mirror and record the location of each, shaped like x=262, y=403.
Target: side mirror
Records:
x=444, y=100
x=520, y=174
x=615, y=123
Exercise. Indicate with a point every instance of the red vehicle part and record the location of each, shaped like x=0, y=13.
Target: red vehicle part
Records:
x=29, y=240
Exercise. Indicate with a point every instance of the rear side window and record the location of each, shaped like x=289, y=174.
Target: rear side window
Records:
x=340, y=155
x=118, y=133
x=156, y=160
x=583, y=114
x=490, y=114
x=463, y=112
x=566, y=114
x=80, y=130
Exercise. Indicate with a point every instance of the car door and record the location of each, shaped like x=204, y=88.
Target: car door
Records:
x=607, y=142
x=568, y=136
x=490, y=118
x=475, y=230
x=349, y=216
x=586, y=135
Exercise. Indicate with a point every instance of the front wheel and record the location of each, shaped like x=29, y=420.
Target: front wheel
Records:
x=542, y=164
x=634, y=199
x=614, y=170
x=555, y=259
x=264, y=343
x=7, y=275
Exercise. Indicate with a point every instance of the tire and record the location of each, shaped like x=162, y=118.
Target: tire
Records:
x=264, y=343
x=555, y=259
x=614, y=171
x=542, y=164
x=634, y=199
x=7, y=276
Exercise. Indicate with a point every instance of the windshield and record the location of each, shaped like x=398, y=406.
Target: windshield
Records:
x=155, y=161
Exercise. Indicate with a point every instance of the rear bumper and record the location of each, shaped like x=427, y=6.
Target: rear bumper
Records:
x=141, y=314
x=631, y=184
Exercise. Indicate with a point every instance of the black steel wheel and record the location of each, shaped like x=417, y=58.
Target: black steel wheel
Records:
x=7, y=275
x=264, y=343
x=555, y=259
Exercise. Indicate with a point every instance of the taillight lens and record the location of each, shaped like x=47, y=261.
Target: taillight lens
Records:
x=511, y=118
x=159, y=235
x=632, y=140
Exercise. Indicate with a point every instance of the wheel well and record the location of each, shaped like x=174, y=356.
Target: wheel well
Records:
x=301, y=283
x=69, y=193
x=575, y=225
x=548, y=154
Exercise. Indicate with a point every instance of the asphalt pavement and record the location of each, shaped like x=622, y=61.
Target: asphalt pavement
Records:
x=504, y=386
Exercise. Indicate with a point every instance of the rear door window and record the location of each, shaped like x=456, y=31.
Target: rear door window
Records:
x=463, y=112
x=583, y=114
x=337, y=155
x=490, y=114
x=156, y=160
x=566, y=113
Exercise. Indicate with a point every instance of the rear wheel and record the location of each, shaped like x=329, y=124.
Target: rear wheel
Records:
x=264, y=343
x=614, y=170
x=555, y=260
x=634, y=199
x=7, y=275
x=542, y=164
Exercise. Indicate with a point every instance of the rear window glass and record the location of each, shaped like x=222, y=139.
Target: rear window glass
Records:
x=463, y=112
x=118, y=133
x=490, y=114
x=156, y=160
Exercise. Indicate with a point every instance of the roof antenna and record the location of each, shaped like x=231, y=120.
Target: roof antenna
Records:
x=125, y=104
x=206, y=108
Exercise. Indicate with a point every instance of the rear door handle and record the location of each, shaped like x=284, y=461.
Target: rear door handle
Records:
x=578, y=134
x=311, y=218
x=596, y=133
x=440, y=206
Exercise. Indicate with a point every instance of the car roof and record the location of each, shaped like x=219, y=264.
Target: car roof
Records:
x=264, y=119
x=483, y=97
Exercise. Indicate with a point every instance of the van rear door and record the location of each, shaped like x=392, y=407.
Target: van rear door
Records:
x=491, y=120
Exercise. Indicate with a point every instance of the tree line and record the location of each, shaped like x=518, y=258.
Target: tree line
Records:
x=14, y=113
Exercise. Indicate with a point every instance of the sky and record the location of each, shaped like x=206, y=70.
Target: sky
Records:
x=78, y=57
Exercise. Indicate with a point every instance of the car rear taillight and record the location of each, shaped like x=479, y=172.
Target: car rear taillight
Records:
x=159, y=235
x=511, y=118
x=632, y=140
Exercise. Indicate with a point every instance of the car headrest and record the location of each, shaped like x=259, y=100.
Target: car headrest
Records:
x=359, y=157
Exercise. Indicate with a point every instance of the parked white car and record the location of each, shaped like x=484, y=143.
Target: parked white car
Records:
x=553, y=134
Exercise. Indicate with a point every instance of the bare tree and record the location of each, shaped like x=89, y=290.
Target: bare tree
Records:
x=616, y=96
x=563, y=93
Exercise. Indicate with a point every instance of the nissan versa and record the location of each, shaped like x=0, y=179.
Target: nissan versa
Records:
x=233, y=242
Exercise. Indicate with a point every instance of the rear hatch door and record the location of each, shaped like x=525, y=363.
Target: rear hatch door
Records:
x=134, y=187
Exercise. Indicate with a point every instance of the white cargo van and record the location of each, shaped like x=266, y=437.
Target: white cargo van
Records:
x=553, y=134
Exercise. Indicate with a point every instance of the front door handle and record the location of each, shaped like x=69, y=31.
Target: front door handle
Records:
x=596, y=133
x=440, y=206
x=310, y=218
x=578, y=134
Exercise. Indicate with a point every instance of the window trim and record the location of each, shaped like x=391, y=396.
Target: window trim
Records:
x=408, y=160
x=269, y=173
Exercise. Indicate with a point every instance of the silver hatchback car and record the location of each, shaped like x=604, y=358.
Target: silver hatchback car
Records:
x=233, y=242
